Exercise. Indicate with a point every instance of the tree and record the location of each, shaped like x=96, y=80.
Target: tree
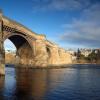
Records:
x=78, y=54
x=92, y=57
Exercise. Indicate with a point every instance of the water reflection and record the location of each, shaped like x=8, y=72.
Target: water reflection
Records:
x=36, y=84
x=31, y=83
x=1, y=87
x=73, y=83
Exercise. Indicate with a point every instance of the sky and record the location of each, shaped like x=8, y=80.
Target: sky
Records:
x=68, y=23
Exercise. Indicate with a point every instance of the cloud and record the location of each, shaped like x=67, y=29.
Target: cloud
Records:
x=8, y=45
x=86, y=29
x=59, y=5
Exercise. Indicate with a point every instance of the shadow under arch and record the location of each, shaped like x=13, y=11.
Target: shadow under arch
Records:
x=48, y=53
x=24, y=50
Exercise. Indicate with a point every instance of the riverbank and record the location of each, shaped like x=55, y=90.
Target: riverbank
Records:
x=50, y=66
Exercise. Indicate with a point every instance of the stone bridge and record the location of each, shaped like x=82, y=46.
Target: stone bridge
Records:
x=33, y=50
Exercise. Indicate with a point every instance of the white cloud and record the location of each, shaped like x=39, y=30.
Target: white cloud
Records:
x=45, y=5
x=86, y=29
x=8, y=45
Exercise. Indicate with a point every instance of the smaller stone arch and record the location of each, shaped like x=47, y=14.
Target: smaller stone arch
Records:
x=48, y=51
x=49, y=54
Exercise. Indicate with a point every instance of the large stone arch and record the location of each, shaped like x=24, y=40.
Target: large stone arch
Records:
x=24, y=52
x=10, y=35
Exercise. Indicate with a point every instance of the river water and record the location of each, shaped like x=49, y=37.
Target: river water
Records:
x=76, y=82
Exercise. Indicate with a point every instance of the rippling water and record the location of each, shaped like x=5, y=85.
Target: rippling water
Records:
x=76, y=82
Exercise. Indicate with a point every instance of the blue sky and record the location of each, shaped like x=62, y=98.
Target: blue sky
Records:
x=69, y=23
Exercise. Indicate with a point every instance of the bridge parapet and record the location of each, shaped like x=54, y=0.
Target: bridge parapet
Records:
x=41, y=37
x=50, y=44
x=11, y=24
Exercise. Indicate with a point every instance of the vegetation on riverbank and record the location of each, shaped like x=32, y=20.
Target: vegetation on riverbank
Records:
x=93, y=57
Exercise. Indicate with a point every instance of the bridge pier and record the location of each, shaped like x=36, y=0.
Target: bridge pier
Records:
x=65, y=58
x=2, y=52
x=54, y=57
x=2, y=63
x=41, y=56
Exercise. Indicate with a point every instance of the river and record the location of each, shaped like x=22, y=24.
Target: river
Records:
x=76, y=82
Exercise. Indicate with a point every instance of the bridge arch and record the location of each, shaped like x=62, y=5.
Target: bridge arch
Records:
x=48, y=51
x=24, y=49
x=23, y=36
